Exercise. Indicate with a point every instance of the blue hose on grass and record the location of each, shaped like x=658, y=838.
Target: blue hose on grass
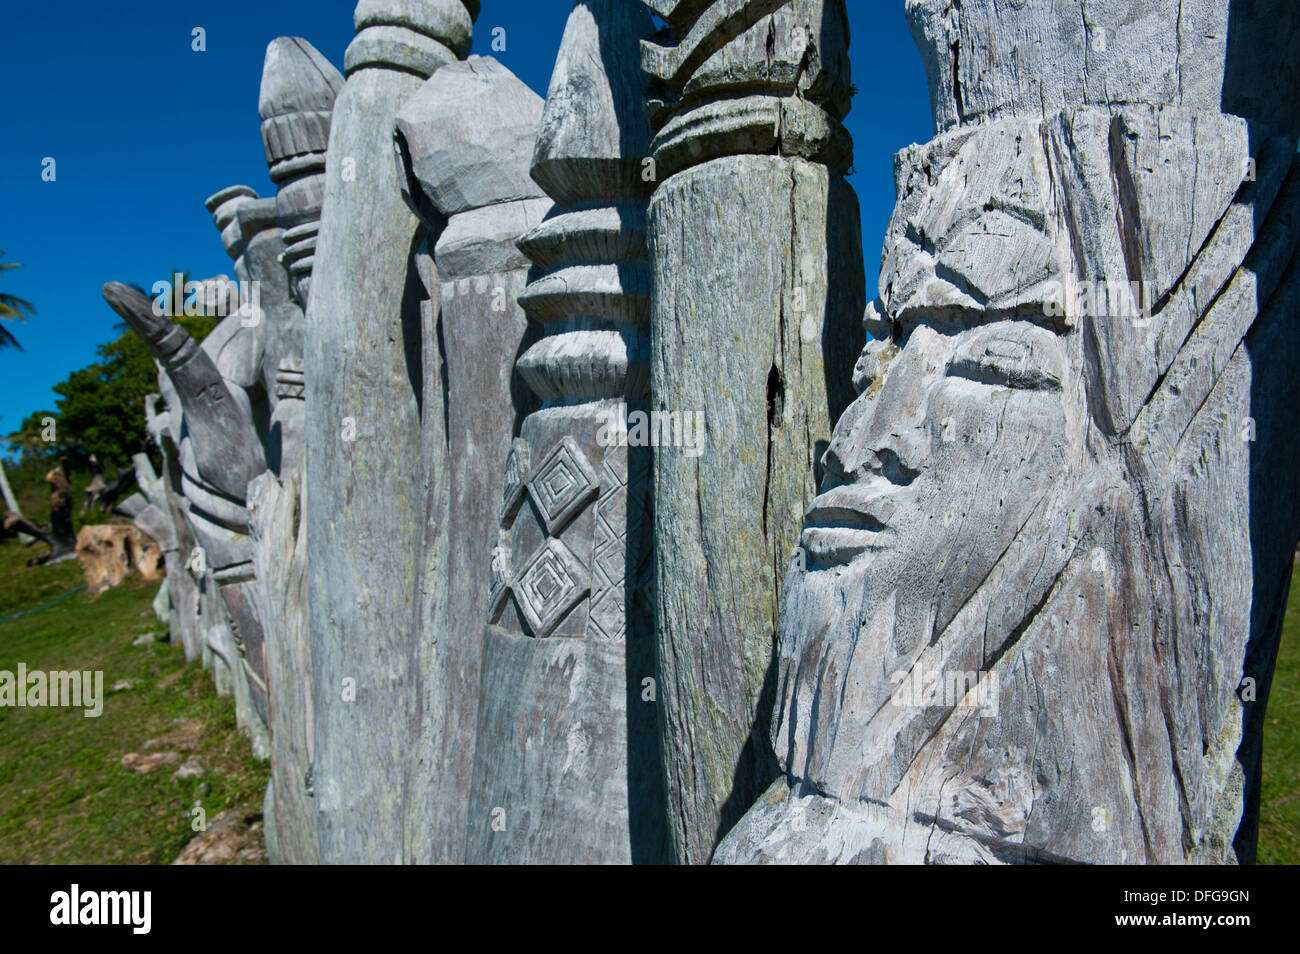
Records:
x=54, y=602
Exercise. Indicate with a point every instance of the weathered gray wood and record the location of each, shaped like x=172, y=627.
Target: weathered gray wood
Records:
x=219, y=452
x=1206, y=55
x=540, y=812
x=758, y=294
x=584, y=785
x=182, y=590
x=1034, y=611
x=1077, y=512
x=237, y=408
x=279, y=538
x=152, y=512
x=364, y=381
x=296, y=101
x=465, y=139
x=222, y=452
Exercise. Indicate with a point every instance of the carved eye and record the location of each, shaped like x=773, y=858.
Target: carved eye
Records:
x=1008, y=363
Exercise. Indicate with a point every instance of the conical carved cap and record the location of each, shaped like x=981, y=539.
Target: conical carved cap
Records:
x=296, y=78
x=594, y=132
x=299, y=87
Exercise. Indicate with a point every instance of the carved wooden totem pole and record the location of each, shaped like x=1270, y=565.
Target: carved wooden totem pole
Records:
x=508, y=499
x=296, y=100
x=150, y=512
x=298, y=90
x=235, y=409
x=365, y=381
x=568, y=643
x=1036, y=606
x=464, y=143
x=756, y=319
x=219, y=453
x=182, y=588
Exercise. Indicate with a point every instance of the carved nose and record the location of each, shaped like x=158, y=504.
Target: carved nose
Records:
x=871, y=445
x=841, y=460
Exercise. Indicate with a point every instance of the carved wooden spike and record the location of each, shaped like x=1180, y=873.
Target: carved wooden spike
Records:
x=296, y=101
x=569, y=575
x=464, y=141
x=297, y=96
x=226, y=455
x=758, y=298
x=364, y=377
x=219, y=452
x=299, y=87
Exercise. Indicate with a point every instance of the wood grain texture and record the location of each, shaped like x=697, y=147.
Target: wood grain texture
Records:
x=1035, y=604
x=583, y=784
x=755, y=323
x=364, y=372
x=465, y=140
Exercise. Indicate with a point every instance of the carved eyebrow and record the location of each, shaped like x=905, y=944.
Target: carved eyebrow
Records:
x=1006, y=362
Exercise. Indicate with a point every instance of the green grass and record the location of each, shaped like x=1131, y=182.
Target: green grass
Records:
x=64, y=795
x=65, y=798
x=1279, y=826
x=33, y=495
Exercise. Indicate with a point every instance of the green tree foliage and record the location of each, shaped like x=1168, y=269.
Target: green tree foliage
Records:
x=12, y=308
x=100, y=407
x=28, y=443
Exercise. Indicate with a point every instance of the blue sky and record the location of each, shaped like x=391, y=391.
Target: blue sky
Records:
x=143, y=129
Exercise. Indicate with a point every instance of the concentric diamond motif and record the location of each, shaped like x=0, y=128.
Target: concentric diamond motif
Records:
x=609, y=615
x=562, y=484
x=553, y=583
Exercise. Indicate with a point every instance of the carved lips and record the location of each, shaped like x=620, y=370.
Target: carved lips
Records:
x=850, y=520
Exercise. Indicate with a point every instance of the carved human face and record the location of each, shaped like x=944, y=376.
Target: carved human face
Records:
x=934, y=467
x=1028, y=490
x=968, y=421
x=934, y=473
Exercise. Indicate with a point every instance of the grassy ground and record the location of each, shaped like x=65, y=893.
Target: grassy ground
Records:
x=64, y=795
x=1279, y=829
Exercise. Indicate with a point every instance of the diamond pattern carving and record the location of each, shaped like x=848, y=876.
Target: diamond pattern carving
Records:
x=562, y=484
x=553, y=583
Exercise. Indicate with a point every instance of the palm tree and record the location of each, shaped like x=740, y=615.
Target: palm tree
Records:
x=12, y=307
